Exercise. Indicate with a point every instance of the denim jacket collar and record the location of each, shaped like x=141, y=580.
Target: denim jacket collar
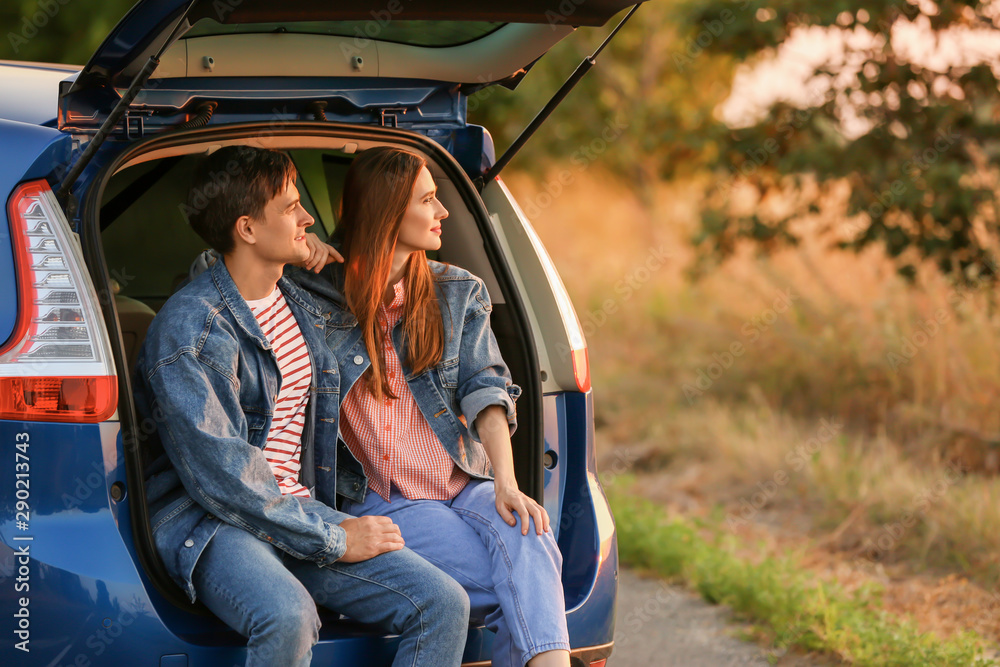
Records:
x=237, y=304
x=329, y=284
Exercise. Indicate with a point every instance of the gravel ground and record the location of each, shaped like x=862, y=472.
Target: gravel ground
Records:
x=666, y=626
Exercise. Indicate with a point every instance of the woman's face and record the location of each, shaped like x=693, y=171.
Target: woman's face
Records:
x=421, y=225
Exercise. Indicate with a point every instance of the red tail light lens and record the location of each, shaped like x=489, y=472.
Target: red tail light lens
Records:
x=581, y=368
x=57, y=365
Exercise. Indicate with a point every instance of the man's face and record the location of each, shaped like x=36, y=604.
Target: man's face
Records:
x=281, y=233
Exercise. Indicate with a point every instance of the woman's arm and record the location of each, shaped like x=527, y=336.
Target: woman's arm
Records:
x=495, y=435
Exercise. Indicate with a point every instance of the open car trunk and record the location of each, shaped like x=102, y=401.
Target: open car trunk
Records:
x=140, y=248
x=356, y=59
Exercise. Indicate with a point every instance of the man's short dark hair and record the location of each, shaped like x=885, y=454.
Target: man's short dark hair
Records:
x=232, y=182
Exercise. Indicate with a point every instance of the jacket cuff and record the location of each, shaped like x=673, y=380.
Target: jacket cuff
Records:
x=474, y=403
x=336, y=546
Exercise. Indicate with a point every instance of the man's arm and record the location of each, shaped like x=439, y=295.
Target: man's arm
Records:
x=203, y=434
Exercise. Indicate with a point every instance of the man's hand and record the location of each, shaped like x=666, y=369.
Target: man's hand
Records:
x=510, y=499
x=320, y=254
x=369, y=536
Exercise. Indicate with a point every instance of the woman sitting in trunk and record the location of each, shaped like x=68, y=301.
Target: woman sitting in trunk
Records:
x=428, y=407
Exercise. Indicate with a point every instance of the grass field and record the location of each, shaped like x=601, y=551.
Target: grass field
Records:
x=813, y=393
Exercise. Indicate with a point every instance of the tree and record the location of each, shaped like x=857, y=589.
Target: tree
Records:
x=59, y=31
x=637, y=113
x=916, y=139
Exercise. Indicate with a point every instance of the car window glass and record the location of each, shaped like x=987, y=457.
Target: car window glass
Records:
x=416, y=33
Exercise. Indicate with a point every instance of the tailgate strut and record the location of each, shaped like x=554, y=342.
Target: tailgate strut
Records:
x=120, y=108
x=547, y=110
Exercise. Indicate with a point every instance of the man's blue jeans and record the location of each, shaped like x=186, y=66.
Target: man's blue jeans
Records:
x=270, y=597
x=513, y=580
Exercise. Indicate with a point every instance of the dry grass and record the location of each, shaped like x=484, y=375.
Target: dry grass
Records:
x=907, y=374
x=855, y=340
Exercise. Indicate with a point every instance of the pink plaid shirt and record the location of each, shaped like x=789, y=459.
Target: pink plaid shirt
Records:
x=391, y=438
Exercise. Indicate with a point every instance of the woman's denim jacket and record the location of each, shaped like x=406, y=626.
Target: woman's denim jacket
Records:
x=206, y=385
x=470, y=377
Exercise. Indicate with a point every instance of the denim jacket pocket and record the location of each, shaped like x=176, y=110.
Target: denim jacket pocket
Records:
x=256, y=421
x=447, y=375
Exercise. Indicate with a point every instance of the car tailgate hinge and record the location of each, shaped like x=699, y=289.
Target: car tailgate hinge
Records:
x=388, y=116
x=135, y=122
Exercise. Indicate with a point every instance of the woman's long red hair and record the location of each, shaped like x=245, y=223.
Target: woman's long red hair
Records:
x=377, y=191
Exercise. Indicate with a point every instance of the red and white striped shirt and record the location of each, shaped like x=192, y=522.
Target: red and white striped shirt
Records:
x=391, y=438
x=284, y=440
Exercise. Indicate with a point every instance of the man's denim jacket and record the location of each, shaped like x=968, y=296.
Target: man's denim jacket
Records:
x=208, y=379
x=470, y=377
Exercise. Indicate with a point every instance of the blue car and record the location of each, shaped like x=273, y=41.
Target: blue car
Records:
x=97, y=164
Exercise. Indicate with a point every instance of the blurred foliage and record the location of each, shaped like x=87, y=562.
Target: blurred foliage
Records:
x=915, y=175
x=57, y=31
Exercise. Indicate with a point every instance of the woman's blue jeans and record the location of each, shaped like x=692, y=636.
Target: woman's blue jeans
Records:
x=270, y=597
x=513, y=580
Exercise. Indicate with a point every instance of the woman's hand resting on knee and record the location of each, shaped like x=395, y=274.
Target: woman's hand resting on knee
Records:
x=495, y=435
x=510, y=499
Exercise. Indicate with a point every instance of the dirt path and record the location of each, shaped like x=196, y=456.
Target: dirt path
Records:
x=659, y=625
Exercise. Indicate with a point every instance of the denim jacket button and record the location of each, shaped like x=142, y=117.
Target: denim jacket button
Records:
x=358, y=359
x=189, y=543
x=357, y=487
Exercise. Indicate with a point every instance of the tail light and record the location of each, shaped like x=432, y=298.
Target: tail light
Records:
x=571, y=323
x=56, y=366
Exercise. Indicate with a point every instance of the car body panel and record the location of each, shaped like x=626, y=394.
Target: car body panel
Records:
x=31, y=91
x=31, y=152
x=581, y=519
